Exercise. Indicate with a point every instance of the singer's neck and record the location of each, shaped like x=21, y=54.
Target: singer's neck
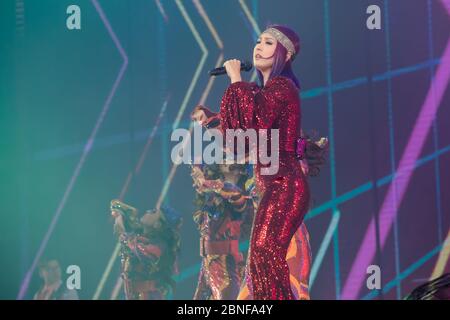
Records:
x=266, y=75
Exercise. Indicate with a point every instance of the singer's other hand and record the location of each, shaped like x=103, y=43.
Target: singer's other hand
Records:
x=199, y=116
x=233, y=68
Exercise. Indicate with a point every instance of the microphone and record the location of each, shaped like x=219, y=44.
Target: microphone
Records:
x=245, y=66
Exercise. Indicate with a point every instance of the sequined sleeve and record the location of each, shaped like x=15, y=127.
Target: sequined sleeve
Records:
x=141, y=247
x=245, y=106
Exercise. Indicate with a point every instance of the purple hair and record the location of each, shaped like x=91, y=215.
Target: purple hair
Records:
x=280, y=67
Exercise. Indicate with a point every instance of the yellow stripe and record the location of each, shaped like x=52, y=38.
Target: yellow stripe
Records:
x=439, y=268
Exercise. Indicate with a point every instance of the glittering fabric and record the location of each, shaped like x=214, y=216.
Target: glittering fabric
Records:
x=219, y=222
x=139, y=259
x=299, y=260
x=285, y=195
x=220, y=277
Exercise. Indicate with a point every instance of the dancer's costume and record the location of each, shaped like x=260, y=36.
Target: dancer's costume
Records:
x=299, y=260
x=148, y=255
x=285, y=195
x=224, y=209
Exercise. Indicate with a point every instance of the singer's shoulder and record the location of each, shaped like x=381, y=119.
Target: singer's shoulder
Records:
x=281, y=82
x=283, y=88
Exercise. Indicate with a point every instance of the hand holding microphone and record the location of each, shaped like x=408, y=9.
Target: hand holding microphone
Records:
x=233, y=69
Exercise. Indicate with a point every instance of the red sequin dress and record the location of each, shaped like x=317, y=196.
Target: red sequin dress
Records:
x=285, y=195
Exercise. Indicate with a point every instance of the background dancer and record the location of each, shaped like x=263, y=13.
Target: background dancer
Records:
x=150, y=246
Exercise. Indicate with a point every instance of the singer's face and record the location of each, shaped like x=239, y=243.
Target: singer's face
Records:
x=263, y=52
